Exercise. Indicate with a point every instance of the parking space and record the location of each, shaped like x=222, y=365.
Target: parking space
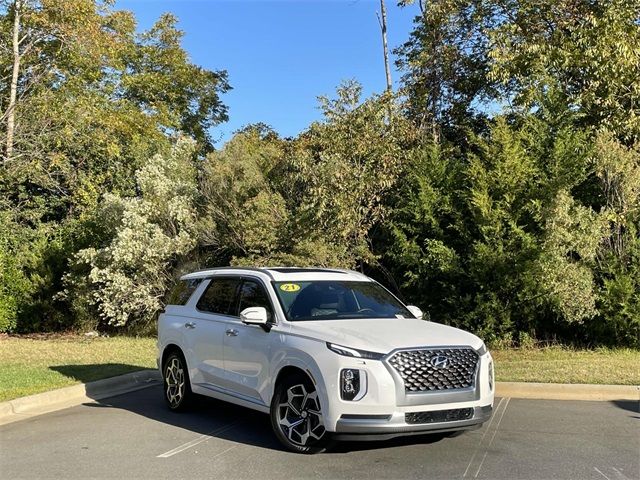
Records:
x=135, y=436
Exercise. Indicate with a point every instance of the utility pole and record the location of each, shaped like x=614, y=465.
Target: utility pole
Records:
x=382, y=20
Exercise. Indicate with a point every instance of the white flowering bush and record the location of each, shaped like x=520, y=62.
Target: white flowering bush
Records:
x=154, y=230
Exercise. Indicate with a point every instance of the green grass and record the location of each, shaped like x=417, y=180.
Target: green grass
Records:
x=34, y=365
x=31, y=365
x=566, y=365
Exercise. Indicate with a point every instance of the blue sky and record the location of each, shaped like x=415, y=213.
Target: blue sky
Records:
x=282, y=54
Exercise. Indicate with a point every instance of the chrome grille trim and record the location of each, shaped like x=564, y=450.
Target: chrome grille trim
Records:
x=420, y=376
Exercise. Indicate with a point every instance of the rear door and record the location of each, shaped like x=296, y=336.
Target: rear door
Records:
x=213, y=311
x=247, y=347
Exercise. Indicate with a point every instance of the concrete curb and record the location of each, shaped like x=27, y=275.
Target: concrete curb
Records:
x=560, y=391
x=27, y=407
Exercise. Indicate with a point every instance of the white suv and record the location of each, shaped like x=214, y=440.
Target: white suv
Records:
x=327, y=353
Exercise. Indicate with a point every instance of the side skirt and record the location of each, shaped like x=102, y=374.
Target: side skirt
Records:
x=225, y=395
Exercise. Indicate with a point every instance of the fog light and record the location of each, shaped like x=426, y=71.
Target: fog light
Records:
x=353, y=384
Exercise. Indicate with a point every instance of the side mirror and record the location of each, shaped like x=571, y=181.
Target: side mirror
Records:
x=415, y=311
x=254, y=316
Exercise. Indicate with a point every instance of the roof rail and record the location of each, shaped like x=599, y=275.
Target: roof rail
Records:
x=306, y=269
x=251, y=269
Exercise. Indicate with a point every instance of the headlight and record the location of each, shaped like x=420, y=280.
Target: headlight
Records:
x=352, y=352
x=353, y=384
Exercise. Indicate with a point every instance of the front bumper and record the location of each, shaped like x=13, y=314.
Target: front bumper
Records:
x=387, y=410
x=383, y=427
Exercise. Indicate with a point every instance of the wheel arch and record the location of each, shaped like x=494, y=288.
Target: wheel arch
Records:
x=304, y=366
x=288, y=370
x=168, y=350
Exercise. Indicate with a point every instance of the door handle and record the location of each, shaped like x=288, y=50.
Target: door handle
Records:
x=190, y=325
x=232, y=332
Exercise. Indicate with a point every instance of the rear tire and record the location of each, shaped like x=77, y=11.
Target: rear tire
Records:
x=177, y=388
x=296, y=416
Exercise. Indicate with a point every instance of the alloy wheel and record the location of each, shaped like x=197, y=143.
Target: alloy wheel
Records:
x=174, y=382
x=300, y=417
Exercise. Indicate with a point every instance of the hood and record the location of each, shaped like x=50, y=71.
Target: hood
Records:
x=384, y=335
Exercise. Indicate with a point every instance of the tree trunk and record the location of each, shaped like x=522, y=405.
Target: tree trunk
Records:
x=383, y=27
x=11, y=117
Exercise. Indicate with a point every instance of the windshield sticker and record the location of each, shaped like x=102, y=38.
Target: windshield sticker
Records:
x=289, y=287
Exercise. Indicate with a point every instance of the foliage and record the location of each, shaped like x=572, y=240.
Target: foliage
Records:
x=618, y=170
x=128, y=276
x=247, y=217
x=445, y=63
x=343, y=168
x=14, y=286
x=499, y=189
x=589, y=51
x=493, y=241
x=533, y=229
x=90, y=111
x=311, y=201
x=160, y=80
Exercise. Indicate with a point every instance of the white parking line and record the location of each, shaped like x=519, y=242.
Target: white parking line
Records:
x=473, y=457
x=481, y=442
x=596, y=469
x=197, y=441
x=492, y=438
x=616, y=473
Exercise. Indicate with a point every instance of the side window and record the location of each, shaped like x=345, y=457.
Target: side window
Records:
x=253, y=294
x=182, y=291
x=220, y=296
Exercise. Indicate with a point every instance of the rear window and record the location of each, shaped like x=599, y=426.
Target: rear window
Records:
x=182, y=291
x=220, y=296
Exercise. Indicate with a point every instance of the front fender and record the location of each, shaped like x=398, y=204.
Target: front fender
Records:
x=305, y=354
x=321, y=364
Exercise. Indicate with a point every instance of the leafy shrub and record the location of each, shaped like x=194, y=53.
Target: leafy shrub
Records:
x=127, y=278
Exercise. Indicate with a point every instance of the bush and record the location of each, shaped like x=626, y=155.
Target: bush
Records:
x=15, y=286
x=127, y=278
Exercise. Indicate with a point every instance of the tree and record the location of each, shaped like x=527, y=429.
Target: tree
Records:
x=247, y=217
x=490, y=240
x=344, y=167
x=89, y=111
x=588, y=51
x=53, y=42
x=445, y=65
x=160, y=80
x=618, y=171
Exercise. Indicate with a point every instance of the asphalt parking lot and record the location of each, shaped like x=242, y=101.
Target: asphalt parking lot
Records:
x=135, y=436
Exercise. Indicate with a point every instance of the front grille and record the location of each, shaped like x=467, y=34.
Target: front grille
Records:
x=439, y=416
x=417, y=369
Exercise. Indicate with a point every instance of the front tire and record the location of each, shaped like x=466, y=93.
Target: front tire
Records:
x=296, y=416
x=177, y=388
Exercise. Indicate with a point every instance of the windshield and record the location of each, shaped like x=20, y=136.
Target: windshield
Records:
x=333, y=300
